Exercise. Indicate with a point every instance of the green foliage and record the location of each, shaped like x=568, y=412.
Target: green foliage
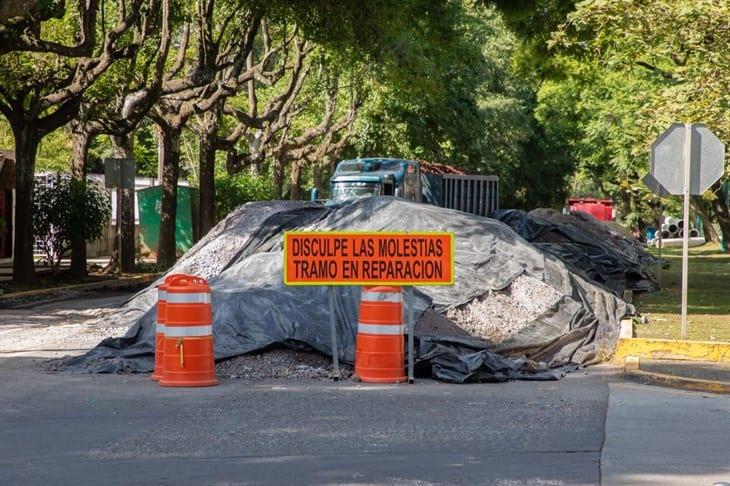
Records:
x=232, y=191
x=627, y=71
x=554, y=96
x=65, y=208
x=482, y=117
x=54, y=151
x=145, y=150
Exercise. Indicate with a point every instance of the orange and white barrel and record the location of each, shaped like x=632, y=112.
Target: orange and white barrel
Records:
x=159, y=332
x=379, y=346
x=188, y=358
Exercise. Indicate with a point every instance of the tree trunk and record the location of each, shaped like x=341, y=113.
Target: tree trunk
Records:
x=708, y=229
x=206, y=161
x=701, y=209
x=26, y=148
x=722, y=213
x=278, y=169
x=125, y=148
x=295, y=179
x=322, y=175
x=166, y=251
x=80, y=142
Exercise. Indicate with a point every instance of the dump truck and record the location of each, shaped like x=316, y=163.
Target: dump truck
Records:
x=420, y=181
x=601, y=209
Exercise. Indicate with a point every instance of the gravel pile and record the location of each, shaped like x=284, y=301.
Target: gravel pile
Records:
x=254, y=310
x=217, y=249
x=56, y=333
x=501, y=313
x=280, y=364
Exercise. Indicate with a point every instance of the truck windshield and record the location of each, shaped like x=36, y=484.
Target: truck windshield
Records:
x=355, y=190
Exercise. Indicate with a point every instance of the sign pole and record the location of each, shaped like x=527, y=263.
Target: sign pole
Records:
x=411, y=331
x=119, y=217
x=685, y=235
x=659, y=224
x=333, y=330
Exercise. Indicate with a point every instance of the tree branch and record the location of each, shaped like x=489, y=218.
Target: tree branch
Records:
x=650, y=67
x=89, y=70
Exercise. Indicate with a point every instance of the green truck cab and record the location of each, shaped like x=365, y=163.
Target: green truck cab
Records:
x=377, y=176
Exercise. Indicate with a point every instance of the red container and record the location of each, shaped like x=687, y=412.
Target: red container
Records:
x=601, y=209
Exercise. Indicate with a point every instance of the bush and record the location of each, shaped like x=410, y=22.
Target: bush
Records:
x=232, y=191
x=67, y=208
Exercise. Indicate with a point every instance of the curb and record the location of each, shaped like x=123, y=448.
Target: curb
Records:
x=39, y=296
x=672, y=381
x=671, y=349
x=627, y=328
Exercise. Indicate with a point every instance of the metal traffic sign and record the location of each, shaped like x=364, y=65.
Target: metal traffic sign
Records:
x=687, y=159
x=118, y=172
x=654, y=186
x=707, y=157
x=369, y=258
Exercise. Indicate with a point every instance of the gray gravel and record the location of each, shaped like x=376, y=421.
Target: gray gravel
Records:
x=281, y=364
x=502, y=313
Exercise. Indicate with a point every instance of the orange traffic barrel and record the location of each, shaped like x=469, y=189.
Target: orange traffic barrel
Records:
x=379, y=346
x=188, y=358
x=159, y=332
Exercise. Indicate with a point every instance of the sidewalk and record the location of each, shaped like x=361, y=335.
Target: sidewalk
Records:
x=31, y=298
x=6, y=268
x=662, y=436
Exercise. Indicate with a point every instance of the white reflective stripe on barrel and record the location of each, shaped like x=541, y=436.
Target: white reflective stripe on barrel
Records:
x=196, y=298
x=188, y=331
x=160, y=327
x=161, y=294
x=366, y=296
x=379, y=329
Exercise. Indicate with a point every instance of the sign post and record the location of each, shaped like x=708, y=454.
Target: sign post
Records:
x=119, y=175
x=401, y=259
x=333, y=332
x=685, y=232
x=411, y=323
x=686, y=159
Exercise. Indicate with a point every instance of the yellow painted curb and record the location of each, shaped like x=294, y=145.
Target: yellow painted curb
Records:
x=671, y=349
x=692, y=384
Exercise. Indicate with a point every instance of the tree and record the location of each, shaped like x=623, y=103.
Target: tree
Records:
x=234, y=190
x=668, y=59
x=114, y=105
x=44, y=72
x=301, y=123
x=222, y=45
x=208, y=124
x=478, y=115
x=65, y=209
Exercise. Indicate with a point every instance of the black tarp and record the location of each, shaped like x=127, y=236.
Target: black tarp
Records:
x=252, y=308
x=606, y=258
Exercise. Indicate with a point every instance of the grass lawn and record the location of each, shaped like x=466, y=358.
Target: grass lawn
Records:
x=708, y=309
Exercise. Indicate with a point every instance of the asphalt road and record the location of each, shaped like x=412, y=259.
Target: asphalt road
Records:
x=82, y=429
x=588, y=428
